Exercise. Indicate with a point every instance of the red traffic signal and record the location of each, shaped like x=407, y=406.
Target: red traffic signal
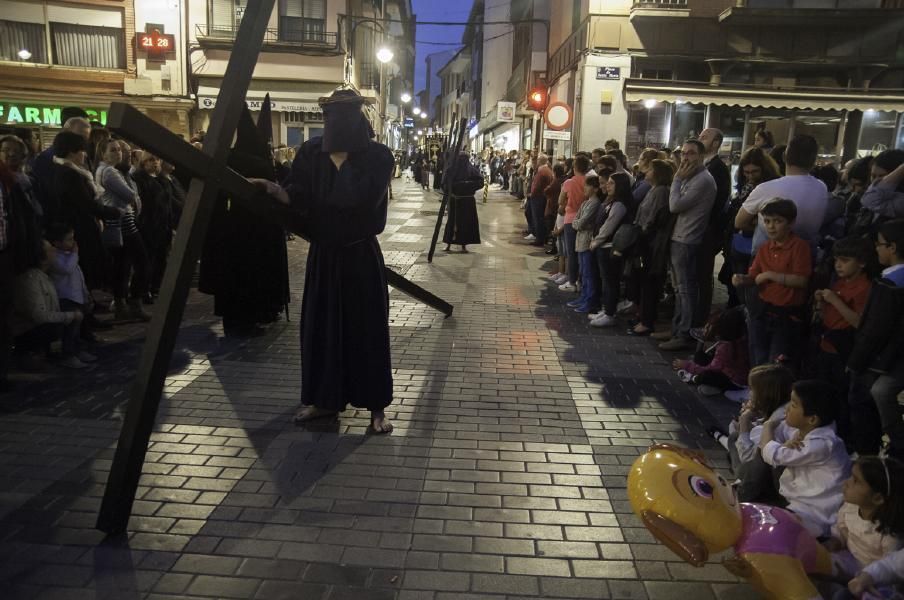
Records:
x=538, y=98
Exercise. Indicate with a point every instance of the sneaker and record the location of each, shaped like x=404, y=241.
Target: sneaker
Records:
x=72, y=362
x=574, y=303
x=709, y=390
x=568, y=287
x=553, y=276
x=685, y=376
x=86, y=357
x=530, y=238
x=624, y=306
x=697, y=334
x=560, y=279
x=596, y=315
x=604, y=321
x=739, y=396
x=675, y=344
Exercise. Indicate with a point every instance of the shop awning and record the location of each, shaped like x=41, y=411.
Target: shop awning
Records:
x=638, y=90
x=281, y=100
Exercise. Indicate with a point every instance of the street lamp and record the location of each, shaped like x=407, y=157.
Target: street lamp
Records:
x=24, y=54
x=405, y=97
x=416, y=111
x=384, y=54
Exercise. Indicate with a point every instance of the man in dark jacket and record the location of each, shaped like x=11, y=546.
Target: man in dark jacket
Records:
x=715, y=230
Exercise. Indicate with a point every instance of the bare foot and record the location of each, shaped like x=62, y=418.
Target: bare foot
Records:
x=379, y=423
x=310, y=413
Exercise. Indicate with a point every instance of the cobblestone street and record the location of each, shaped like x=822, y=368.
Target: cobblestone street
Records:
x=515, y=425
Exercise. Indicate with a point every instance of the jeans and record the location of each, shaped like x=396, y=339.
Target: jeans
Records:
x=885, y=390
x=570, y=255
x=131, y=259
x=684, y=267
x=590, y=289
x=610, y=271
x=537, y=206
x=774, y=334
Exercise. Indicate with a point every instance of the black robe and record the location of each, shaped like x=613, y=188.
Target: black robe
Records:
x=463, y=227
x=244, y=263
x=345, y=309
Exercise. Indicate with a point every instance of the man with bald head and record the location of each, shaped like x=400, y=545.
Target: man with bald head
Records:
x=711, y=138
x=536, y=201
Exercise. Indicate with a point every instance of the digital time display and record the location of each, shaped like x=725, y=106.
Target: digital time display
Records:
x=156, y=44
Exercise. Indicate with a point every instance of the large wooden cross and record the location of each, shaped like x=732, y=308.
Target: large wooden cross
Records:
x=211, y=176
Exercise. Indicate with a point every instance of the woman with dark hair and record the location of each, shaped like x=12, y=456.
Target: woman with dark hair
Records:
x=764, y=140
x=778, y=155
x=79, y=204
x=655, y=222
x=885, y=196
x=462, y=226
x=755, y=167
x=616, y=209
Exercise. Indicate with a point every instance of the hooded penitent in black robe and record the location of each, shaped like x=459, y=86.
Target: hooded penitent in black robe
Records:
x=345, y=310
x=244, y=263
x=462, y=226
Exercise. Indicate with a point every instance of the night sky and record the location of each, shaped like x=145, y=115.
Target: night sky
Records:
x=437, y=10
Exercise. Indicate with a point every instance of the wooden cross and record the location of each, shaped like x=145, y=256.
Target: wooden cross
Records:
x=211, y=176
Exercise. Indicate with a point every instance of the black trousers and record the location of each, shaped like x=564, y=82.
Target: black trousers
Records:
x=130, y=268
x=537, y=206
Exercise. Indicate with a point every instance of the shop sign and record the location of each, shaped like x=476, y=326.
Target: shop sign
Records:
x=409, y=122
x=37, y=114
x=608, y=72
x=505, y=111
x=556, y=135
x=275, y=105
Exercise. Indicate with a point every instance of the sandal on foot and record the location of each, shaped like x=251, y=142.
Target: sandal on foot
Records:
x=311, y=413
x=385, y=425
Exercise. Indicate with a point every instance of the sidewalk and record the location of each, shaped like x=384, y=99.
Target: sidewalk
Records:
x=504, y=478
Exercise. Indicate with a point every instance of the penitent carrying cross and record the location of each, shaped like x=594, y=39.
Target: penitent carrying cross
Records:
x=211, y=176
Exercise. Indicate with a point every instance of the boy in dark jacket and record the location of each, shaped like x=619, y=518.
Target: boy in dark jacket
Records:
x=878, y=354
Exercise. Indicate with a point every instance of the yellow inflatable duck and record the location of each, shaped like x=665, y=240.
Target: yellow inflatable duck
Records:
x=691, y=509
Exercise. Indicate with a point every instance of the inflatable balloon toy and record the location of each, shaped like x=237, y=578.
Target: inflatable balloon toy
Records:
x=693, y=511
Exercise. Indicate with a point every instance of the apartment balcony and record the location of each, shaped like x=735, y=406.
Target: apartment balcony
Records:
x=814, y=13
x=294, y=35
x=658, y=9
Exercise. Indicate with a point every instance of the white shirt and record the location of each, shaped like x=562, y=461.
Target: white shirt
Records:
x=813, y=476
x=747, y=442
x=809, y=195
x=861, y=538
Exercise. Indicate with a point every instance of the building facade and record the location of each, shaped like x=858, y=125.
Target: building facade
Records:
x=311, y=47
x=654, y=72
x=90, y=53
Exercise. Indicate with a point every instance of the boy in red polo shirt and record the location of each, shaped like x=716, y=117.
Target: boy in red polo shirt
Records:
x=781, y=269
x=842, y=306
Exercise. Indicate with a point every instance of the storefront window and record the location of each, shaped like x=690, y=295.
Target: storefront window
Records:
x=687, y=122
x=648, y=124
x=877, y=132
x=823, y=126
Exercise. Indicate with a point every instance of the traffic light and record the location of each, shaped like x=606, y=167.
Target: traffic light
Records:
x=538, y=98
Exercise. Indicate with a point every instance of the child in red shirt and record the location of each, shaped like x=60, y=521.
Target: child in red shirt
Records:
x=782, y=269
x=841, y=307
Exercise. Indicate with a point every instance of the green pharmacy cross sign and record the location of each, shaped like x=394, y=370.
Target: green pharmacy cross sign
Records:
x=15, y=113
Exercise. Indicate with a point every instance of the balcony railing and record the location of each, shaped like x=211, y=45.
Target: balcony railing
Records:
x=660, y=4
x=293, y=32
x=819, y=4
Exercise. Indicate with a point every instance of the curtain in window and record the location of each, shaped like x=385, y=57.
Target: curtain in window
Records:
x=225, y=16
x=87, y=46
x=16, y=36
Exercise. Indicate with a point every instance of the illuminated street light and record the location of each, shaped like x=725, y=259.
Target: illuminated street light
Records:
x=417, y=110
x=405, y=97
x=384, y=55
x=420, y=132
x=24, y=54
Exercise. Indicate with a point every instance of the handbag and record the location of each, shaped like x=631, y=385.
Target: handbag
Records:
x=625, y=239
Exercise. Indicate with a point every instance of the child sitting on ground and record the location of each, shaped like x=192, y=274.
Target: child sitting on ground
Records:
x=770, y=390
x=37, y=320
x=722, y=366
x=814, y=457
x=870, y=527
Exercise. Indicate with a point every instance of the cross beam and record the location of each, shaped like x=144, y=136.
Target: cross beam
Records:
x=211, y=176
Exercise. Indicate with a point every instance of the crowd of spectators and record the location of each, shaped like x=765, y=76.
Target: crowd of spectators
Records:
x=87, y=215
